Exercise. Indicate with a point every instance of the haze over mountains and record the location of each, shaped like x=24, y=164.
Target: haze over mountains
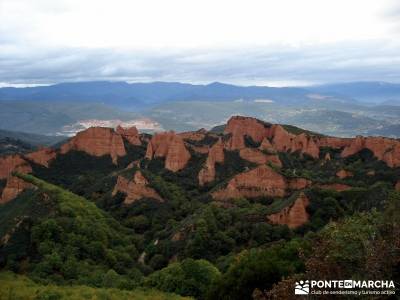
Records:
x=368, y=92
x=142, y=95
x=139, y=95
x=348, y=109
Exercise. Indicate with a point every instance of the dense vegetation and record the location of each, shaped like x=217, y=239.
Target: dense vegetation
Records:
x=365, y=245
x=18, y=287
x=72, y=230
x=76, y=242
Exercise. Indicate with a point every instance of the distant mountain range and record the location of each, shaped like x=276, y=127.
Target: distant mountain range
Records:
x=50, y=117
x=344, y=109
x=140, y=95
x=368, y=92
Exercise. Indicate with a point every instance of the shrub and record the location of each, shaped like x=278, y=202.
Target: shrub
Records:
x=187, y=278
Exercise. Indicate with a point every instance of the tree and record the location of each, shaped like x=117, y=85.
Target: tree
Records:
x=110, y=279
x=187, y=278
x=257, y=268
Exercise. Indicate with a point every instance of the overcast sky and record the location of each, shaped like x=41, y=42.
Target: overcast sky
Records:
x=263, y=42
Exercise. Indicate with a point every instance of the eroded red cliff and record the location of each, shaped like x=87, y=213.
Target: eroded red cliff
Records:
x=13, y=188
x=42, y=157
x=170, y=146
x=293, y=216
x=131, y=134
x=13, y=163
x=215, y=155
x=14, y=185
x=261, y=181
x=277, y=138
x=240, y=127
x=267, y=146
x=385, y=149
x=285, y=141
x=97, y=141
x=135, y=189
x=260, y=132
x=194, y=135
x=258, y=157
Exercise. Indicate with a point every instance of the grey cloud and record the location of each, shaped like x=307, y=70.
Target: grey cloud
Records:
x=344, y=62
x=392, y=9
x=392, y=15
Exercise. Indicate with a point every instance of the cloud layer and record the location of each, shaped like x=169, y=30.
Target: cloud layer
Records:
x=280, y=65
x=261, y=42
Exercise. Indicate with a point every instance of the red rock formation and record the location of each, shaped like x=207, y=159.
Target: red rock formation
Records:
x=200, y=149
x=14, y=185
x=344, y=174
x=194, y=135
x=130, y=134
x=261, y=181
x=333, y=142
x=281, y=139
x=178, y=156
x=284, y=141
x=355, y=146
x=385, y=149
x=215, y=155
x=171, y=147
x=339, y=187
x=13, y=188
x=97, y=141
x=135, y=189
x=258, y=157
x=267, y=146
x=13, y=163
x=239, y=127
x=138, y=178
x=42, y=157
x=293, y=216
x=299, y=183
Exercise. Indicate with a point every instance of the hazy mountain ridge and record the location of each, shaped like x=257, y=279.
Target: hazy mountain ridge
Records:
x=368, y=91
x=63, y=108
x=138, y=94
x=48, y=117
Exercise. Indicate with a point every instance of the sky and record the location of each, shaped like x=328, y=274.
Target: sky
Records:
x=246, y=42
